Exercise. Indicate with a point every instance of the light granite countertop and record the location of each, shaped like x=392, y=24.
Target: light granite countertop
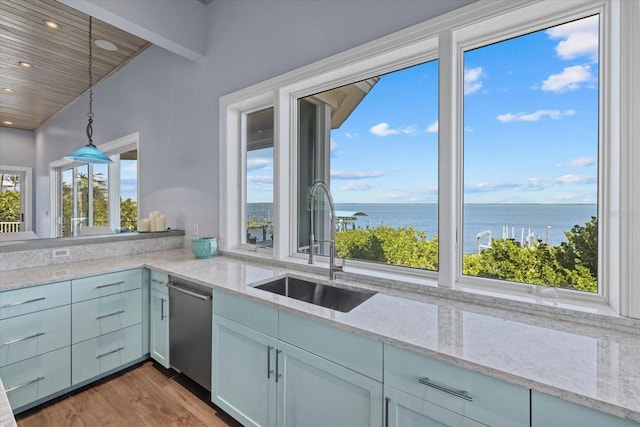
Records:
x=592, y=365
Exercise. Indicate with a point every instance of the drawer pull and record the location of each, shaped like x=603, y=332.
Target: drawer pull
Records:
x=115, y=313
x=386, y=411
x=100, y=356
x=269, y=370
x=278, y=374
x=39, y=334
x=110, y=284
x=162, y=316
x=13, y=304
x=457, y=393
x=16, y=387
x=160, y=282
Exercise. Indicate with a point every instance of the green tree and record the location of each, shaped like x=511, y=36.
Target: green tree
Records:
x=581, y=248
x=128, y=215
x=9, y=206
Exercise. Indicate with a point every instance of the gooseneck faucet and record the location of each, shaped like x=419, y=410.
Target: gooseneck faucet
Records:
x=332, y=242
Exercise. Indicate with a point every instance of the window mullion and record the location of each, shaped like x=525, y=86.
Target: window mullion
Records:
x=449, y=78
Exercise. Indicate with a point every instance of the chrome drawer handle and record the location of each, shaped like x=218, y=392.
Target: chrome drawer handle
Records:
x=162, y=316
x=269, y=370
x=115, y=313
x=457, y=393
x=13, y=304
x=160, y=282
x=16, y=387
x=278, y=374
x=39, y=334
x=100, y=356
x=110, y=284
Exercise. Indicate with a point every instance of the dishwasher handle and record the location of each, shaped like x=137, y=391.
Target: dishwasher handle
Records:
x=190, y=293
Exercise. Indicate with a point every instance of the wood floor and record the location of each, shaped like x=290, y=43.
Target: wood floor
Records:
x=146, y=395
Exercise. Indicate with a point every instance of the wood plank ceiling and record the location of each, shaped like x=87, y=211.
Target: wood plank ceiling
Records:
x=59, y=59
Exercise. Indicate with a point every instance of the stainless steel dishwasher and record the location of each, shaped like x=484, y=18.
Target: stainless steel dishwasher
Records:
x=190, y=311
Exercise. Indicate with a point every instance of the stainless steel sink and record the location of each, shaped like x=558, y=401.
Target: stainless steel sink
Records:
x=339, y=299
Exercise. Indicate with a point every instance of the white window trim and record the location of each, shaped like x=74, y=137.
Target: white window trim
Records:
x=444, y=37
x=113, y=149
x=25, y=188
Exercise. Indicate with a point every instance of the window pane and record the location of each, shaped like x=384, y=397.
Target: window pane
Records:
x=100, y=195
x=81, y=199
x=129, y=190
x=259, y=173
x=10, y=202
x=531, y=158
x=375, y=143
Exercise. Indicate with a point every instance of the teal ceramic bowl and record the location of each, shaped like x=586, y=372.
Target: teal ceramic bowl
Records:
x=204, y=247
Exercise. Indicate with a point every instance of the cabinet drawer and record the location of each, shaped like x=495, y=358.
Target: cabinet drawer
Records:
x=159, y=281
x=494, y=402
x=99, y=355
x=344, y=348
x=106, y=284
x=249, y=313
x=35, y=298
x=38, y=377
x=30, y=335
x=100, y=316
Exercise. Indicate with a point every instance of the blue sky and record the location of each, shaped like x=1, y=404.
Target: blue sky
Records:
x=128, y=179
x=530, y=128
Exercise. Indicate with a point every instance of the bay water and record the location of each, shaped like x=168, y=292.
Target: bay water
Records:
x=547, y=222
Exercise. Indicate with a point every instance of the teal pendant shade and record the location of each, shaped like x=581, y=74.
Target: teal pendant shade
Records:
x=88, y=154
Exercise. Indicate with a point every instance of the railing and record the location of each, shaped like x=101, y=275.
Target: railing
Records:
x=9, y=227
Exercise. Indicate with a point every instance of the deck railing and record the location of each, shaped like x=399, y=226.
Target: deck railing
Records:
x=9, y=227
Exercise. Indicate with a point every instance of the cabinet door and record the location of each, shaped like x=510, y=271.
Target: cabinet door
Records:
x=243, y=373
x=549, y=411
x=405, y=410
x=313, y=391
x=159, y=328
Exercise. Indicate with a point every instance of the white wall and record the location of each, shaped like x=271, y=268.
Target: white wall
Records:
x=17, y=147
x=173, y=102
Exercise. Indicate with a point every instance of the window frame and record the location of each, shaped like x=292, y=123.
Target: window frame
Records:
x=113, y=149
x=445, y=38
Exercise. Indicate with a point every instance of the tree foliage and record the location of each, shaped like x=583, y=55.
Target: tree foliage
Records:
x=572, y=265
x=9, y=206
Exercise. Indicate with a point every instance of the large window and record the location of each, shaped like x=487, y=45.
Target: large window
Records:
x=97, y=198
x=520, y=195
x=531, y=131
x=375, y=143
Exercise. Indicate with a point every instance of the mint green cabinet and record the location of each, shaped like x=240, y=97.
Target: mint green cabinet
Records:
x=261, y=380
x=159, y=318
x=315, y=392
x=549, y=411
x=404, y=410
x=243, y=374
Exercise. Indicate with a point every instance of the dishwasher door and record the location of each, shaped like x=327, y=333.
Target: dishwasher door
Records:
x=190, y=311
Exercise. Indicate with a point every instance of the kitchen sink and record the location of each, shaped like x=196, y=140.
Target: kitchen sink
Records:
x=339, y=299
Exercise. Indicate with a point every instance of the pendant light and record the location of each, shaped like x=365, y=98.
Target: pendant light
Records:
x=89, y=153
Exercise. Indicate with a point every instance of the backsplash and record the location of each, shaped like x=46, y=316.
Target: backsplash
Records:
x=41, y=257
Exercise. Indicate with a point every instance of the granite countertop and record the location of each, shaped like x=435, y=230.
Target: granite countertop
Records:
x=6, y=416
x=592, y=365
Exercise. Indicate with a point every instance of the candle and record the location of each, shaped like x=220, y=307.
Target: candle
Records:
x=144, y=225
x=161, y=223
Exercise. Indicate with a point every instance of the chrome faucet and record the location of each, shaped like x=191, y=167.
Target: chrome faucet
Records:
x=332, y=242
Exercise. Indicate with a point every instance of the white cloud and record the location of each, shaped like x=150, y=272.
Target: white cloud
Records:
x=433, y=127
x=575, y=179
x=260, y=180
x=351, y=135
x=535, y=116
x=383, y=129
x=578, y=38
x=472, y=80
x=356, y=186
x=579, y=162
x=355, y=174
x=260, y=163
x=571, y=78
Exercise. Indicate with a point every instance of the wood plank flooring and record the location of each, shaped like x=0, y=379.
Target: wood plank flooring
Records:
x=145, y=395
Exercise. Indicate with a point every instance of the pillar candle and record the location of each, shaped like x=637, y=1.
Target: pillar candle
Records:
x=144, y=225
x=161, y=223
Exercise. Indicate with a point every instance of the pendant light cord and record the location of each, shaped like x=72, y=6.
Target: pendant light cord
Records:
x=90, y=113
